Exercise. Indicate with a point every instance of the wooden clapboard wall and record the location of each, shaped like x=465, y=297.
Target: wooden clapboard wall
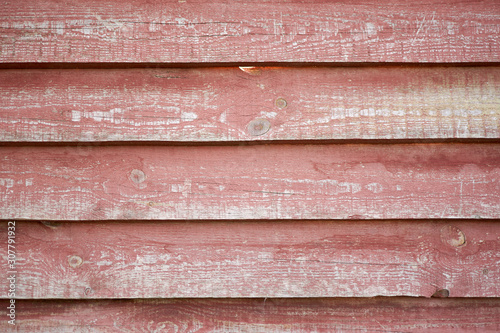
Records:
x=246, y=166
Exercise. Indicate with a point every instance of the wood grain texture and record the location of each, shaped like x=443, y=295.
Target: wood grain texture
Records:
x=406, y=181
x=259, y=315
x=255, y=259
x=139, y=31
x=222, y=104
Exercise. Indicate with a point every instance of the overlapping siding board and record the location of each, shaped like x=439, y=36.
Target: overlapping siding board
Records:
x=249, y=166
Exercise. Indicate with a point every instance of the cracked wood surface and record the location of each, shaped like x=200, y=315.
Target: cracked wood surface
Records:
x=255, y=259
x=110, y=31
x=248, y=104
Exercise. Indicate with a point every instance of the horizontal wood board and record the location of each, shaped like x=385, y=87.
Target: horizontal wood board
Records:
x=110, y=31
x=354, y=181
x=249, y=103
x=255, y=259
x=259, y=315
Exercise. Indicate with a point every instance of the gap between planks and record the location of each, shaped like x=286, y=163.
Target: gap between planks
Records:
x=386, y=142
x=215, y=65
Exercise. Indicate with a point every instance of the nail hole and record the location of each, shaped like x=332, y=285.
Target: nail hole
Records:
x=281, y=103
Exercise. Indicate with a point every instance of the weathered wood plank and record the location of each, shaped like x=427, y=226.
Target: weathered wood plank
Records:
x=97, y=31
x=259, y=315
x=256, y=259
x=221, y=104
x=251, y=182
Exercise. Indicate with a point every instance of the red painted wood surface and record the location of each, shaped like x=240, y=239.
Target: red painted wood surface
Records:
x=223, y=104
x=143, y=235
x=260, y=315
x=256, y=259
x=406, y=181
x=110, y=31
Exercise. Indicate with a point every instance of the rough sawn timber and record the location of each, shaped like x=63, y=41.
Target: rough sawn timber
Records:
x=353, y=181
x=222, y=104
x=256, y=259
x=140, y=31
x=260, y=315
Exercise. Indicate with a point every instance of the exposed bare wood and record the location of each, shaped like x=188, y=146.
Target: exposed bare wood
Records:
x=230, y=104
x=139, y=31
x=256, y=259
x=251, y=182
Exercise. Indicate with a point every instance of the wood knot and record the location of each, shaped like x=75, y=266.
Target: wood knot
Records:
x=281, y=103
x=258, y=127
x=75, y=261
x=88, y=291
x=453, y=236
x=138, y=177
